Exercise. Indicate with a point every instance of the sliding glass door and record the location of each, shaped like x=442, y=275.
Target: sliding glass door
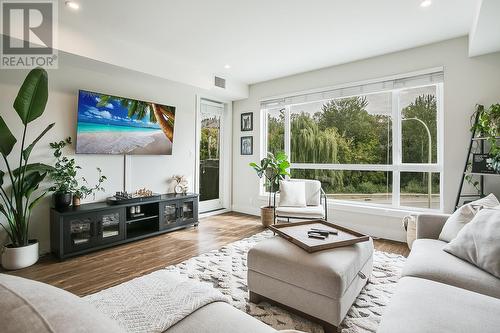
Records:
x=211, y=119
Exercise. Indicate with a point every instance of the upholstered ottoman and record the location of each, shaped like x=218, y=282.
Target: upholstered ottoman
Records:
x=321, y=285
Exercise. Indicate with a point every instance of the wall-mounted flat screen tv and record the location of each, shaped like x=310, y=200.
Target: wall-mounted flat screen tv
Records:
x=115, y=125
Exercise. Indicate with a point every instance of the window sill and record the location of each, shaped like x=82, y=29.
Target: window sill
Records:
x=370, y=209
x=374, y=209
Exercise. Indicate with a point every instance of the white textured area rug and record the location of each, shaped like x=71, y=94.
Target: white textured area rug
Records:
x=226, y=270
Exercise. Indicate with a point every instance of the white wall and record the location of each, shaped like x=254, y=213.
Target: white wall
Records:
x=76, y=73
x=467, y=81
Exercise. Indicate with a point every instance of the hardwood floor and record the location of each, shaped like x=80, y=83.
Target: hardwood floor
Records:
x=93, y=272
x=392, y=247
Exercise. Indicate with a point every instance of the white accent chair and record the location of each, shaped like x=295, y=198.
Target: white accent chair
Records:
x=314, y=208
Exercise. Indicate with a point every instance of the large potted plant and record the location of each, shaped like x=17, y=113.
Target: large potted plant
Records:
x=21, y=192
x=273, y=169
x=66, y=180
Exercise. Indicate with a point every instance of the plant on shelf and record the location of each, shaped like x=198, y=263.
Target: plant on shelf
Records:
x=21, y=192
x=469, y=178
x=66, y=181
x=488, y=127
x=273, y=168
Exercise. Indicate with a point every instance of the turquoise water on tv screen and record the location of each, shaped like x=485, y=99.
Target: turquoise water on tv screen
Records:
x=84, y=127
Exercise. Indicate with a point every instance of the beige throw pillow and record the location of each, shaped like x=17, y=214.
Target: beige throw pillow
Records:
x=292, y=194
x=464, y=215
x=479, y=241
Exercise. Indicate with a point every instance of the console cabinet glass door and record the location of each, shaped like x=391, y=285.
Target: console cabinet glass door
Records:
x=169, y=212
x=188, y=211
x=110, y=226
x=81, y=231
x=178, y=213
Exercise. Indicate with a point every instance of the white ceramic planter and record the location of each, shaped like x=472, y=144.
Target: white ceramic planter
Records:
x=19, y=257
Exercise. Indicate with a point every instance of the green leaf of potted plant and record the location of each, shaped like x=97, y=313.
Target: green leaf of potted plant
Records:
x=273, y=169
x=21, y=193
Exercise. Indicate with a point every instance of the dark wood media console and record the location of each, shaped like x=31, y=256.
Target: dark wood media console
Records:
x=94, y=226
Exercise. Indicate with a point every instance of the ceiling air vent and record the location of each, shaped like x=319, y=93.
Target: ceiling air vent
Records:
x=220, y=82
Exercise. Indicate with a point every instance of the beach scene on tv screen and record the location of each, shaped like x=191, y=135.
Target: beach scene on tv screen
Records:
x=116, y=125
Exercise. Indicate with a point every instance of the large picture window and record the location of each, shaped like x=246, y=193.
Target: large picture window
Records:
x=380, y=147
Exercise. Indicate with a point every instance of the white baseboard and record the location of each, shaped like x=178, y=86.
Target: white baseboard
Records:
x=251, y=210
x=214, y=212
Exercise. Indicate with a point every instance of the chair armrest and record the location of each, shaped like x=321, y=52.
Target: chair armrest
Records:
x=323, y=194
x=430, y=225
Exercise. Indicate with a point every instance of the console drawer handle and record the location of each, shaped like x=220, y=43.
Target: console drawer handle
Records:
x=361, y=275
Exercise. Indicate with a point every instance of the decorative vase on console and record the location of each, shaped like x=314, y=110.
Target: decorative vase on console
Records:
x=76, y=201
x=182, y=184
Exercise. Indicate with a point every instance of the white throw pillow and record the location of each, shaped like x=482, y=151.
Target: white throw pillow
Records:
x=464, y=215
x=292, y=194
x=313, y=192
x=479, y=241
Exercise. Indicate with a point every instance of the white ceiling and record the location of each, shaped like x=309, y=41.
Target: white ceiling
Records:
x=265, y=39
x=484, y=36
x=190, y=40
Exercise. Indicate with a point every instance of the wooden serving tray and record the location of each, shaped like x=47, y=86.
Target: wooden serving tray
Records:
x=296, y=232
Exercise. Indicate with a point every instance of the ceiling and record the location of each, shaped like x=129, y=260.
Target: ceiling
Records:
x=191, y=40
x=484, y=36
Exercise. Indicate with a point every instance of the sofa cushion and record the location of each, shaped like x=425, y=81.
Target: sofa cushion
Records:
x=222, y=318
x=421, y=305
x=292, y=194
x=479, y=242
x=328, y=272
x=428, y=260
x=464, y=215
x=312, y=212
x=30, y=306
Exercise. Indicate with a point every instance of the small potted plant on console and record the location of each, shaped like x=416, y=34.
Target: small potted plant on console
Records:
x=83, y=191
x=21, y=190
x=67, y=186
x=63, y=175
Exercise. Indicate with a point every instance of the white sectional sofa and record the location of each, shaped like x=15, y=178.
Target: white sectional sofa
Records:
x=439, y=292
x=30, y=306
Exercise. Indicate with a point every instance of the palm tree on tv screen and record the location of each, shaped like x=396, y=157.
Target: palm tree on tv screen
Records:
x=163, y=115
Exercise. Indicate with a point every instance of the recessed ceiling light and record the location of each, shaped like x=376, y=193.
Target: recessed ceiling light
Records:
x=426, y=3
x=227, y=66
x=72, y=5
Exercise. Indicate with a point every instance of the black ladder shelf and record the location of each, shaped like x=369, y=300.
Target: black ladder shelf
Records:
x=476, y=143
